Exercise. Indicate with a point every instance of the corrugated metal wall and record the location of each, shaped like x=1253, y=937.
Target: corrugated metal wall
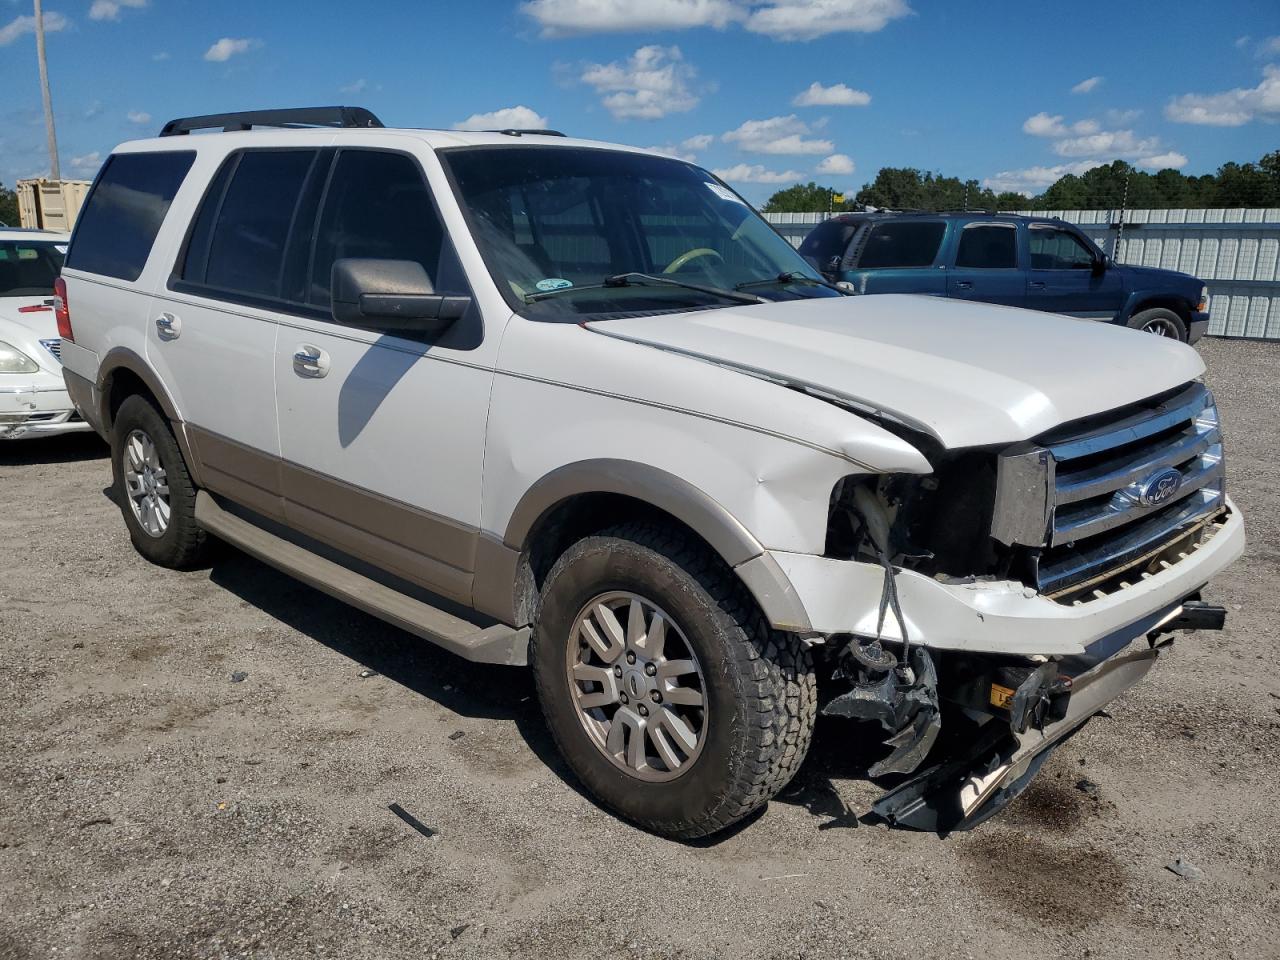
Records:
x=1235, y=252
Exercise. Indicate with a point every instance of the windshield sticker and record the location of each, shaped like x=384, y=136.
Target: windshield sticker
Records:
x=27, y=253
x=553, y=283
x=724, y=193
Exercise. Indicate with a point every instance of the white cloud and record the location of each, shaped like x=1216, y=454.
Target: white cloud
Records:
x=94, y=109
x=809, y=19
x=355, y=86
x=1118, y=118
x=755, y=173
x=87, y=163
x=687, y=148
x=1035, y=179
x=162, y=55
x=838, y=95
x=110, y=9
x=778, y=135
x=21, y=26
x=651, y=83
x=1086, y=85
x=228, y=47
x=1231, y=108
x=838, y=164
x=1164, y=160
x=508, y=118
x=780, y=19
x=1271, y=45
x=139, y=116
x=564, y=17
x=1044, y=125
x=1113, y=143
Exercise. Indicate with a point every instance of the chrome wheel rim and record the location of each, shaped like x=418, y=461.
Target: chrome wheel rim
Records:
x=637, y=686
x=1161, y=327
x=146, y=484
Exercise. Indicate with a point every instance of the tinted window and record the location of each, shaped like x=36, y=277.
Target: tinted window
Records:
x=828, y=241
x=124, y=211
x=377, y=206
x=988, y=248
x=1054, y=249
x=28, y=269
x=901, y=244
x=246, y=250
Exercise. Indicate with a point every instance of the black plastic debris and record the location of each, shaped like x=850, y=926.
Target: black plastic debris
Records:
x=239, y=676
x=457, y=735
x=411, y=820
x=1087, y=786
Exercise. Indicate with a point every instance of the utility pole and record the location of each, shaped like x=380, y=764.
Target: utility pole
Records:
x=54, y=169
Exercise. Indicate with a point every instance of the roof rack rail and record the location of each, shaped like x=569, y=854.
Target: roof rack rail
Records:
x=295, y=117
x=520, y=132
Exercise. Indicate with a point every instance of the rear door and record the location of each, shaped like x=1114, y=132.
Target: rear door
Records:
x=1066, y=275
x=986, y=265
x=900, y=256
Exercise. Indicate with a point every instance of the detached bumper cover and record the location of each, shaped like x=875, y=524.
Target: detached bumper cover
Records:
x=841, y=596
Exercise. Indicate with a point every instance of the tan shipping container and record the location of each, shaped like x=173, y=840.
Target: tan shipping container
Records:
x=50, y=204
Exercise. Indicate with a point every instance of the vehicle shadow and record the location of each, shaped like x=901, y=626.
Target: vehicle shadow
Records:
x=65, y=448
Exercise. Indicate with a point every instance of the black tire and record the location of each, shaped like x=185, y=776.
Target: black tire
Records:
x=1160, y=321
x=758, y=683
x=182, y=543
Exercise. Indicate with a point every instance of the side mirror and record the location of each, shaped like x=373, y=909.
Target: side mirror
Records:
x=1100, y=265
x=395, y=296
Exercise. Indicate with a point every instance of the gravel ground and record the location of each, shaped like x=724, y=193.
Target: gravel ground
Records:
x=154, y=807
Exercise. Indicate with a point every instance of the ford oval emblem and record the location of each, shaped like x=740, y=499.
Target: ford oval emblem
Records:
x=1160, y=487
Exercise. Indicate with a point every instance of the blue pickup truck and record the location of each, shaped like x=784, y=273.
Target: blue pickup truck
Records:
x=1035, y=262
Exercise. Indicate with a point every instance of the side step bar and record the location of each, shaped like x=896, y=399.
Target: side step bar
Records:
x=494, y=644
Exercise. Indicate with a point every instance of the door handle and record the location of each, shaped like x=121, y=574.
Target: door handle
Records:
x=1035, y=284
x=309, y=361
x=964, y=285
x=168, y=326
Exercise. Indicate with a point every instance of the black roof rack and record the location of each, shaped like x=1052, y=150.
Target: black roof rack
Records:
x=296, y=117
x=515, y=132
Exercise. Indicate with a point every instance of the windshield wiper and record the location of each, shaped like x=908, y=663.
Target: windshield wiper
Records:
x=641, y=279
x=794, y=276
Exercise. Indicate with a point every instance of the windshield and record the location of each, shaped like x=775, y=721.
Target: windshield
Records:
x=29, y=267
x=562, y=220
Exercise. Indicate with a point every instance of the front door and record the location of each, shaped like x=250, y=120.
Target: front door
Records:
x=1068, y=275
x=382, y=436
x=986, y=265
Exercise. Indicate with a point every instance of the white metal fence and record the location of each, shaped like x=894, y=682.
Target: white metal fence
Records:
x=1235, y=252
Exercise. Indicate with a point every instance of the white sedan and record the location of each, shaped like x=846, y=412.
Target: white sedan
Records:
x=33, y=397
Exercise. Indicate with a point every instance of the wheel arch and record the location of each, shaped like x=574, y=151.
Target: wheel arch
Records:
x=578, y=499
x=123, y=373
x=1151, y=299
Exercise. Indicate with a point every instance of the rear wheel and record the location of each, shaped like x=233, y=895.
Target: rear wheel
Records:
x=668, y=694
x=1161, y=322
x=157, y=497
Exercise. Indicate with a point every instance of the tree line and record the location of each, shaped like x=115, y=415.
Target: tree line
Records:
x=1111, y=185
x=8, y=206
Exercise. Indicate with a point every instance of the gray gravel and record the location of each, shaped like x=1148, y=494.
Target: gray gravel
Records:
x=154, y=808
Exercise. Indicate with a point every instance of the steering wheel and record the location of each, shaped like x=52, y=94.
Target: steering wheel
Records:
x=691, y=255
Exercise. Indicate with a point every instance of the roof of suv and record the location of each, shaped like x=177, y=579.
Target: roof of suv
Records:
x=957, y=215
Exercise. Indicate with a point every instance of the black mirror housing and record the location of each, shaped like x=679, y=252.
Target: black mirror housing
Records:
x=1100, y=265
x=395, y=296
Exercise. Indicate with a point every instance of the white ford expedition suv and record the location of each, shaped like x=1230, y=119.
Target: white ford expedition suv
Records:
x=548, y=401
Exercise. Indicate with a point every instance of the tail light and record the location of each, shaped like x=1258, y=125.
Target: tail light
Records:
x=62, y=311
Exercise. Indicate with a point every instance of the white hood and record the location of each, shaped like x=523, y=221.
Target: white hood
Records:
x=970, y=374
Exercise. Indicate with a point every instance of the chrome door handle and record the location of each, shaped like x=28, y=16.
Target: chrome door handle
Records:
x=168, y=326
x=1036, y=284
x=964, y=285
x=309, y=361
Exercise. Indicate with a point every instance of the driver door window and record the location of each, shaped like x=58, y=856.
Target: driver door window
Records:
x=1054, y=249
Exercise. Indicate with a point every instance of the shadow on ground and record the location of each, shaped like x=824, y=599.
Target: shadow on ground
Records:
x=67, y=448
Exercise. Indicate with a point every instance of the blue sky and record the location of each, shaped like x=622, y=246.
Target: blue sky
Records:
x=765, y=92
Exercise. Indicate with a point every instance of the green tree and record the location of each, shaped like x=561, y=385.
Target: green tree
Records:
x=803, y=198
x=8, y=206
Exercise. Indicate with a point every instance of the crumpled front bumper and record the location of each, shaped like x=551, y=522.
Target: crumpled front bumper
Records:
x=35, y=409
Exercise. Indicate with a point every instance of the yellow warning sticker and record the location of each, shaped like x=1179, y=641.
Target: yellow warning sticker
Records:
x=1001, y=696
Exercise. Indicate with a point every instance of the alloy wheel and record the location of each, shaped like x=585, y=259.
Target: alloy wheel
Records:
x=146, y=484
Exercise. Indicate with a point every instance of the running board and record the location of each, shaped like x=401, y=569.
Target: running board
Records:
x=494, y=644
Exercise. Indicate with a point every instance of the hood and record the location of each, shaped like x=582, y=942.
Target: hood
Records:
x=1157, y=277
x=969, y=374
x=41, y=324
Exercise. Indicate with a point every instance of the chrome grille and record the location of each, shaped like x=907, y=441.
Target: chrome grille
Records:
x=1088, y=497
x=54, y=346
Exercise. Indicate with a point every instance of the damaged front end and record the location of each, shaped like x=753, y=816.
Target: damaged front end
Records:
x=969, y=730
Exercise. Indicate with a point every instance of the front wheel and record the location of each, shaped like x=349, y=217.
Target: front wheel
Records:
x=1161, y=322
x=668, y=694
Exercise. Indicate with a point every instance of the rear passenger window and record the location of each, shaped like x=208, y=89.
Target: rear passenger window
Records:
x=988, y=247
x=901, y=244
x=246, y=249
x=378, y=207
x=124, y=211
